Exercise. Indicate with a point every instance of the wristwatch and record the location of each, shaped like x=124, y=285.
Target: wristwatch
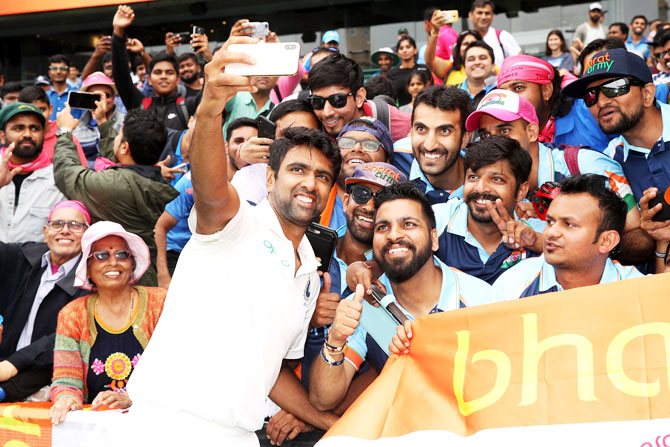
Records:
x=63, y=131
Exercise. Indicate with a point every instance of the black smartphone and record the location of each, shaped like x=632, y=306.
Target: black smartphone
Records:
x=198, y=30
x=185, y=37
x=391, y=308
x=662, y=197
x=82, y=100
x=266, y=128
x=324, y=241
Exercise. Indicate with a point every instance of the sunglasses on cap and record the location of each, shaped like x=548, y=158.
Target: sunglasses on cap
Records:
x=543, y=198
x=612, y=89
x=338, y=100
x=104, y=255
x=367, y=145
x=361, y=194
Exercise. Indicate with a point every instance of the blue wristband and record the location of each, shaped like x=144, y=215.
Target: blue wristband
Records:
x=335, y=363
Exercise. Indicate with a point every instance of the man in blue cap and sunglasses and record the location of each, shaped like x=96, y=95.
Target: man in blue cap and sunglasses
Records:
x=617, y=87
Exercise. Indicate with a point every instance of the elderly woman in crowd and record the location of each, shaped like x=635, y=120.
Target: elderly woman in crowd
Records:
x=100, y=337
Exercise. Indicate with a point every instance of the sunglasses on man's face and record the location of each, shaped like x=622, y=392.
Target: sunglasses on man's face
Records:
x=611, y=89
x=104, y=255
x=361, y=194
x=338, y=100
x=55, y=68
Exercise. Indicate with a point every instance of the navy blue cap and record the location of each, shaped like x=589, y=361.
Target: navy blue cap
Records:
x=609, y=64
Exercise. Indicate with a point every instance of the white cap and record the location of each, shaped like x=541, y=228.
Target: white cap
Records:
x=595, y=5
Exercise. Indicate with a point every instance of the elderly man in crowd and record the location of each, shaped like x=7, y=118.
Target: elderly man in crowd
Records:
x=36, y=281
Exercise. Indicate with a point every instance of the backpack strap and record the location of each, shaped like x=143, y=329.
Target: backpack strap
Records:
x=276, y=90
x=182, y=111
x=146, y=102
x=571, y=154
x=498, y=32
x=382, y=112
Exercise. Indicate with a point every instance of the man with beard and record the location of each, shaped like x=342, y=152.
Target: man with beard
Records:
x=504, y=113
x=353, y=245
x=248, y=274
x=190, y=73
x=438, y=137
x=403, y=244
x=27, y=189
x=496, y=179
x=362, y=140
x=591, y=29
x=584, y=224
x=617, y=87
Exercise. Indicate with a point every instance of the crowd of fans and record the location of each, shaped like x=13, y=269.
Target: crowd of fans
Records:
x=462, y=173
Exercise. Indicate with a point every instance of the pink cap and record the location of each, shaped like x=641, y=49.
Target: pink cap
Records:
x=525, y=68
x=503, y=105
x=98, y=78
x=72, y=204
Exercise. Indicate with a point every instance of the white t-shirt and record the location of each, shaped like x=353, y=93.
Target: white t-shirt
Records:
x=234, y=310
x=508, y=42
x=250, y=182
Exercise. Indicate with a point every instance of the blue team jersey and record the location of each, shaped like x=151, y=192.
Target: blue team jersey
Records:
x=180, y=209
x=552, y=167
x=536, y=276
x=434, y=195
x=459, y=248
x=580, y=128
x=403, y=155
x=645, y=167
x=458, y=290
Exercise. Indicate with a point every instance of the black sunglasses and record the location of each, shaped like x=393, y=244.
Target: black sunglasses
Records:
x=338, y=100
x=361, y=194
x=612, y=89
x=104, y=255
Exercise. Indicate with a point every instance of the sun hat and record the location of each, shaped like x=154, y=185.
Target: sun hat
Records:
x=102, y=229
x=98, y=78
x=385, y=50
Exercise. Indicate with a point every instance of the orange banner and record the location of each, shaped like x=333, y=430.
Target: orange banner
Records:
x=26, y=6
x=26, y=424
x=594, y=354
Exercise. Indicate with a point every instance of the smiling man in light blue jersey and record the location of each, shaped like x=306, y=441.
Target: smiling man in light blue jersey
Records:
x=438, y=137
x=553, y=164
x=496, y=169
x=584, y=224
x=419, y=284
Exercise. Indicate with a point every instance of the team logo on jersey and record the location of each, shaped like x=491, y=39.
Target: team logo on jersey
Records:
x=514, y=258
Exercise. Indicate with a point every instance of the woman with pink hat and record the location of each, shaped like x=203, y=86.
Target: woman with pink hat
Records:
x=100, y=337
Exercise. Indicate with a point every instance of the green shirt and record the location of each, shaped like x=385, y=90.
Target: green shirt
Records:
x=243, y=105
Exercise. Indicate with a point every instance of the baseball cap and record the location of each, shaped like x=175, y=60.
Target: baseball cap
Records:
x=595, y=5
x=385, y=50
x=609, y=64
x=403, y=30
x=380, y=132
x=525, y=68
x=98, y=78
x=376, y=173
x=41, y=80
x=11, y=110
x=330, y=36
x=503, y=105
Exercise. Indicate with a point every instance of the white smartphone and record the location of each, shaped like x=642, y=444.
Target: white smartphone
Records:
x=180, y=166
x=272, y=59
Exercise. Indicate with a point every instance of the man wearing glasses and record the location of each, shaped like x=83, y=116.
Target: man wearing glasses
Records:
x=36, y=281
x=58, y=69
x=338, y=96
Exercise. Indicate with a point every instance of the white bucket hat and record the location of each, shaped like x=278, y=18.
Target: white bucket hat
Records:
x=102, y=229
